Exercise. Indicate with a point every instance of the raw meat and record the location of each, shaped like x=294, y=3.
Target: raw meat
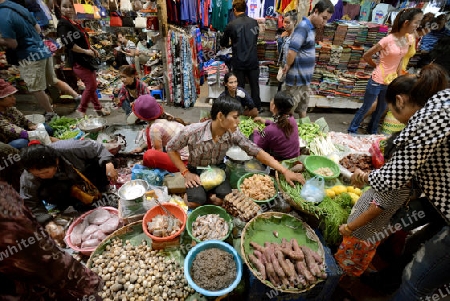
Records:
x=88, y=231
x=90, y=243
x=77, y=231
x=110, y=225
x=98, y=216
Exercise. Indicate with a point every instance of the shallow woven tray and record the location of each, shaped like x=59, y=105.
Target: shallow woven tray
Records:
x=310, y=239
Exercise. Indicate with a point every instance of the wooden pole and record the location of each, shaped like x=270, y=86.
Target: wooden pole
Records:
x=163, y=29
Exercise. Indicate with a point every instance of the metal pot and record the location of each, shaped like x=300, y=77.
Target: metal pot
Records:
x=133, y=190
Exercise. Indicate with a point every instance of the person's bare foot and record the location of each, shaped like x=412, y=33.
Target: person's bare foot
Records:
x=215, y=200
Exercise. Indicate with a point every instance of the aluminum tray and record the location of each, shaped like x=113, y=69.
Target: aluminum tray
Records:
x=131, y=133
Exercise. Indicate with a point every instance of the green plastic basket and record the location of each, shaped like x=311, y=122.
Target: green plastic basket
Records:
x=312, y=163
x=204, y=210
x=247, y=175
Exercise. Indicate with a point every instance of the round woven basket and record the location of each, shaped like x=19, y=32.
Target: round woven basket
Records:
x=309, y=234
x=130, y=228
x=312, y=217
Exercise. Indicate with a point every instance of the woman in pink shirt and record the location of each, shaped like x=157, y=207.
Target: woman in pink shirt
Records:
x=392, y=49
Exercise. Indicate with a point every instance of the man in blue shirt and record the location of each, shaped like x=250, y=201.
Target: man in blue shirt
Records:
x=19, y=31
x=300, y=60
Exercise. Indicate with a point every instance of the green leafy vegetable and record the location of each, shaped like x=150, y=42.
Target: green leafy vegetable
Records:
x=334, y=216
x=309, y=131
x=345, y=201
x=247, y=126
x=62, y=124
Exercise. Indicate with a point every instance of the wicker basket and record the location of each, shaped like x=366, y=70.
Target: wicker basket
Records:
x=130, y=228
x=311, y=217
x=310, y=234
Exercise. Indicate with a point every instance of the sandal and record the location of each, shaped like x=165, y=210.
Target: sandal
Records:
x=103, y=112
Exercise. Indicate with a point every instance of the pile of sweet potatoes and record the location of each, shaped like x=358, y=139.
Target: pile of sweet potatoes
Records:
x=287, y=265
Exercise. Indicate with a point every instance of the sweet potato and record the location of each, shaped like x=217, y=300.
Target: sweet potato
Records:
x=278, y=270
x=301, y=268
x=311, y=262
x=271, y=274
x=315, y=255
x=290, y=273
x=259, y=265
x=257, y=247
x=297, y=250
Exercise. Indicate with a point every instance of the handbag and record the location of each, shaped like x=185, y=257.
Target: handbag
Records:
x=79, y=10
x=152, y=23
x=127, y=20
x=113, y=6
x=140, y=22
x=115, y=20
x=85, y=191
x=280, y=75
x=92, y=63
x=97, y=13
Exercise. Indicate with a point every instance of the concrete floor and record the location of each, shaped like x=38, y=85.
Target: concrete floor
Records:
x=337, y=119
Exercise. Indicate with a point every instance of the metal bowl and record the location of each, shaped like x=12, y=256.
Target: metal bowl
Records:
x=92, y=125
x=133, y=190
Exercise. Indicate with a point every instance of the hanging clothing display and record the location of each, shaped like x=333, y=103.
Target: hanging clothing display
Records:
x=219, y=17
x=182, y=67
x=189, y=11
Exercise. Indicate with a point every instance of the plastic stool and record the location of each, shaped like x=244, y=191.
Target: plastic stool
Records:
x=160, y=93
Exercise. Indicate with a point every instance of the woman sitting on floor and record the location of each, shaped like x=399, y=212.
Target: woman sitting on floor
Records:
x=131, y=89
x=232, y=89
x=280, y=137
x=14, y=126
x=161, y=128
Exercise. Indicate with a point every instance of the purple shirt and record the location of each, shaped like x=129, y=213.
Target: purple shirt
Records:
x=275, y=142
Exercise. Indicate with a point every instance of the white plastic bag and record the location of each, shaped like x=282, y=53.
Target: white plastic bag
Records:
x=314, y=190
x=161, y=192
x=40, y=134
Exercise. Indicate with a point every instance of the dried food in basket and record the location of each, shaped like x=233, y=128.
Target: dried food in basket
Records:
x=259, y=187
x=239, y=205
x=271, y=238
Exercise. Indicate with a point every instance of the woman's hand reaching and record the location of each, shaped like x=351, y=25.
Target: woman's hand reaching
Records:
x=111, y=172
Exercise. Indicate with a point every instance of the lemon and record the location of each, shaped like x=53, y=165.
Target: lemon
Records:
x=350, y=189
x=357, y=191
x=338, y=189
x=330, y=193
x=354, y=197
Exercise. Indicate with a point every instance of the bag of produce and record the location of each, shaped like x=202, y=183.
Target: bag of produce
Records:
x=314, y=190
x=212, y=177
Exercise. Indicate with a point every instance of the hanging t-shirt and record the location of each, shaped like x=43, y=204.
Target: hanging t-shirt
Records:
x=366, y=9
x=255, y=8
x=269, y=8
x=189, y=11
x=219, y=17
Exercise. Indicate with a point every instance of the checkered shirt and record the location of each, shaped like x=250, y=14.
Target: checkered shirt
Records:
x=423, y=152
x=203, y=151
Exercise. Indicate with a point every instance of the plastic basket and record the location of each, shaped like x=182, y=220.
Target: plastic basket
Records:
x=241, y=179
x=204, y=210
x=312, y=163
x=176, y=210
x=208, y=245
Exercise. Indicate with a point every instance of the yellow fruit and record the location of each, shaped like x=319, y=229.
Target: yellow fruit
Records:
x=354, y=197
x=338, y=189
x=350, y=189
x=330, y=193
x=357, y=191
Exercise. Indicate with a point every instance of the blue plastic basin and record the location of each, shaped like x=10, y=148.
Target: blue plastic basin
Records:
x=208, y=245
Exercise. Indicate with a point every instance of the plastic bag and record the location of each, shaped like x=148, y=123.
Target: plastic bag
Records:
x=212, y=177
x=160, y=192
x=151, y=176
x=314, y=190
x=377, y=154
x=40, y=134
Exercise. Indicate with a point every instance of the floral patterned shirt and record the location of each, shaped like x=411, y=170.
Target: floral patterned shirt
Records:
x=13, y=125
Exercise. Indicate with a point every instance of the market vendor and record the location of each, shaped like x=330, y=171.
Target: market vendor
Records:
x=280, y=136
x=208, y=143
x=14, y=126
x=51, y=171
x=33, y=266
x=131, y=89
x=162, y=127
x=231, y=89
